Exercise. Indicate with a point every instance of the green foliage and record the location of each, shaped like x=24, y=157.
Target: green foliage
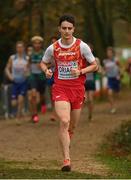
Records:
x=116, y=152
x=11, y=170
x=119, y=168
x=119, y=143
x=122, y=138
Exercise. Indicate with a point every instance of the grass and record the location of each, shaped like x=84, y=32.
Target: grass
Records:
x=12, y=170
x=116, y=153
x=119, y=168
x=119, y=143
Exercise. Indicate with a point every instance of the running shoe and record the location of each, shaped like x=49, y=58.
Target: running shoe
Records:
x=43, y=109
x=66, y=165
x=113, y=111
x=35, y=118
x=18, y=122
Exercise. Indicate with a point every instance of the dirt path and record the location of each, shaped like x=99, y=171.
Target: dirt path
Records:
x=38, y=143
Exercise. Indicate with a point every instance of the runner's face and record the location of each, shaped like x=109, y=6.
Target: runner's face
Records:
x=20, y=48
x=66, y=29
x=53, y=40
x=29, y=51
x=37, y=45
x=109, y=53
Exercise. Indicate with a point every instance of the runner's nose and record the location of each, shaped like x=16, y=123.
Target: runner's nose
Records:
x=67, y=30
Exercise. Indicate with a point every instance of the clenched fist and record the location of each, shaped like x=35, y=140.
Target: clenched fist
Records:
x=49, y=73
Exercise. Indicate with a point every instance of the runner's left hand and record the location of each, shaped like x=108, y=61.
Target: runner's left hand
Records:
x=75, y=72
x=49, y=73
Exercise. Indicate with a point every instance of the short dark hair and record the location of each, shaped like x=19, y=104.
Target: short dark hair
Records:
x=67, y=17
x=54, y=37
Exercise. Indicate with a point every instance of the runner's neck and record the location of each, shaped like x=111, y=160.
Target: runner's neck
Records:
x=37, y=51
x=67, y=42
x=66, y=45
x=20, y=56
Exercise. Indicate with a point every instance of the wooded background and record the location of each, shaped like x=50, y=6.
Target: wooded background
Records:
x=100, y=22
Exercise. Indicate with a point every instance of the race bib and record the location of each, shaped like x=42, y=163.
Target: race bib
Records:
x=64, y=70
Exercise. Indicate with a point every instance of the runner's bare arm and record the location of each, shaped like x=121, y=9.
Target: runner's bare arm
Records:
x=100, y=69
x=8, y=69
x=91, y=68
x=48, y=72
x=87, y=54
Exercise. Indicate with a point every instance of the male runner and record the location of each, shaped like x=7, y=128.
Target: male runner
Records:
x=112, y=69
x=17, y=71
x=37, y=80
x=70, y=56
x=90, y=86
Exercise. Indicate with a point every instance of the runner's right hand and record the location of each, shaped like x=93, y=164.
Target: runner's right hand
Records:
x=49, y=73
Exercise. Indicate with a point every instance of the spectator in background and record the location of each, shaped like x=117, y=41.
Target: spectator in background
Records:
x=53, y=39
x=37, y=79
x=17, y=71
x=91, y=87
x=29, y=50
x=28, y=105
x=112, y=70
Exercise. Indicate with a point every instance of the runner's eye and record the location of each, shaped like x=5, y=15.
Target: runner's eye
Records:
x=70, y=28
x=65, y=28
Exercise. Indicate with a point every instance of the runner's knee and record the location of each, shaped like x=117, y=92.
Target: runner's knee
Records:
x=65, y=122
x=20, y=99
x=14, y=102
x=33, y=96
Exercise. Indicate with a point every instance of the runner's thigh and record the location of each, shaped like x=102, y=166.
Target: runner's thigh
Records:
x=63, y=109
